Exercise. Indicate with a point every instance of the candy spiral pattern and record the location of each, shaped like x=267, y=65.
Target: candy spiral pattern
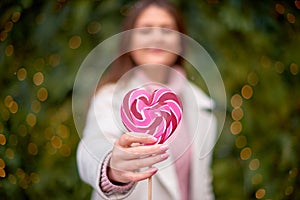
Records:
x=157, y=114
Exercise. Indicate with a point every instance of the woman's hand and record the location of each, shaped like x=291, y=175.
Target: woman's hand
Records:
x=130, y=154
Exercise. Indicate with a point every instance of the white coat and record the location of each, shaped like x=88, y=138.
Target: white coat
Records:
x=103, y=127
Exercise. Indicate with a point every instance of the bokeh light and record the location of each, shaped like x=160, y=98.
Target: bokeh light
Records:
x=75, y=42
x=246, y=153
x=257, y=179
x=31, y=119
x=247, y=91
x=291, y=18
x=254, y=164
x=241, y=141
x=9, y=50
x=260, y=193
x=21, y=74
x=94, y=27
x=252, y=79
x=42, y=94
x=279, y=8
x=15, y=17
x=236, y=127
x=38, y=78
x=36, y=106
x=294, y=69
x=237, y=114
x=32, y=149
x=236, y=101
x=2, y=139
x=9, y=153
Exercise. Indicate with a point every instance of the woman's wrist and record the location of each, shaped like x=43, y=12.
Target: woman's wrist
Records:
x=114, y=177
x=108, y=185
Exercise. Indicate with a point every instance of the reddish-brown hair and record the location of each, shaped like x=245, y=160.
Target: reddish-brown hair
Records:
x=124, y=63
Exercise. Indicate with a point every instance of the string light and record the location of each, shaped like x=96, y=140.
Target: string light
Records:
x=246, y=153
x=260, y=193
x=291, y=18
x=9, y=50
x=2, y=166
x=94, y=27
x=254, y=164
x=257, y=179
x=38, y=78
x=8, y=99
x=247, y=91
x=9, y=153
x=279, y=8
x=13, y=107
x=237, y=114
x=2, y=173
x=32, y=149
x=252, y=78
x=236, y=127
x=289, y=190
x=236, y=101
x=63, y=131
x=34, y=177
x=8, y=26
x=297, y=4
x=15, y=17
x=294, y=69
x=75, y=42
x=241, y=141
x=36, y=106
x=22, y=130
x=3, y=36
x=31, y=119
x=56, y=142
x=42, y=94
x=65, y=150
x=2, y=139
x=21, y=74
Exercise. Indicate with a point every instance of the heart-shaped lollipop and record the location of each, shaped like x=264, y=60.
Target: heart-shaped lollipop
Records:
x=157, y=114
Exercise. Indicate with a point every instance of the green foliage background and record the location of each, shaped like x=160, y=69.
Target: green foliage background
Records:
x=255, y=44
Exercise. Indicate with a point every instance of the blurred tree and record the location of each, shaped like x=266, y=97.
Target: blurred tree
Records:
x=255, y=44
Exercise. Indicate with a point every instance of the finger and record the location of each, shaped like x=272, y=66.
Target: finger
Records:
x=139, y=176
x=145, y=151
x=127, y=139
x=140, y=163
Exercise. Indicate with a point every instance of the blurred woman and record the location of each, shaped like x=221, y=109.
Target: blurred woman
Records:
x=116, y=164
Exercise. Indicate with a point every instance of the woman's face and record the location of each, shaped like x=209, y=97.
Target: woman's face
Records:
x=153, y=31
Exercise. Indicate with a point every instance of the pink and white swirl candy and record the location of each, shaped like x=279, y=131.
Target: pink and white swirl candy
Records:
x=157, y=114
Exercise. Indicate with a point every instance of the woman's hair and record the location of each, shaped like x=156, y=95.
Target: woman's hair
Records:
x=124, y=63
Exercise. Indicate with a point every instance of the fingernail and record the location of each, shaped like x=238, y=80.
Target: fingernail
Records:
x=153, y=170
x=164, y=156
x=152, y=138
x=164, y=147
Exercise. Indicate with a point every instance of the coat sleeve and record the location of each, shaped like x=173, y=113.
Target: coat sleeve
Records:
x=99, y=135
